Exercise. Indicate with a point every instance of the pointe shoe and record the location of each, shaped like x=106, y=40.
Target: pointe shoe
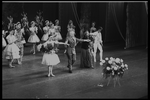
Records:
x=19, y=63
x=48, y=75
x=101, y=85
x=52, y=75
x=11, y=66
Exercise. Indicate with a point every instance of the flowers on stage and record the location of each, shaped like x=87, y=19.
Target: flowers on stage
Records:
x=113, y=67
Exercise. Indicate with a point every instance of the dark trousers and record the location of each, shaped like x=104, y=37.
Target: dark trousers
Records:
x=71, y=60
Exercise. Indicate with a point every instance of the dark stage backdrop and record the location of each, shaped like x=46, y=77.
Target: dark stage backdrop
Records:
x=121, y=23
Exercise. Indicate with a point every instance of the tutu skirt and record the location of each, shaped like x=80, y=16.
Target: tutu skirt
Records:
x=50, y=59
x=33, y=39
x=45, y=37
x=11, y=51
x=3, y=42
x=58, y=37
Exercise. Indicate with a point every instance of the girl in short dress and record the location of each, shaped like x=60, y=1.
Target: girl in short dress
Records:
x=33, y=37
x=50, y=58
x=11, y=51
x=46, y=31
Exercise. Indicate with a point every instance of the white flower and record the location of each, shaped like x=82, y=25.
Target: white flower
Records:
x=115, y=68
x=111, y=58
x=117, y=60
x=106, y=58
x=108, y=68
x=112, y=67
x=118, y=73
x=110, y=62
x=122, y=65
x=126, y=65
x=121, y=60
x=101, y=63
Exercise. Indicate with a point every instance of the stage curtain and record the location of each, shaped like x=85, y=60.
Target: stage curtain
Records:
x=137, y=26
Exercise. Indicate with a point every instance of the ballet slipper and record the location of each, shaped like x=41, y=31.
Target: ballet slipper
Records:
x=48, y=75
x=52, y=75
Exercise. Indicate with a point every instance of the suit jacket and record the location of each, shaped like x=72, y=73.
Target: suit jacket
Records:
x=72, y=41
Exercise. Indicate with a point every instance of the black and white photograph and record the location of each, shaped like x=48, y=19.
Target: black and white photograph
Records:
x=74, y=49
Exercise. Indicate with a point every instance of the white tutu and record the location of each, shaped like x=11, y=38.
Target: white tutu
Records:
x=11, y=51
x=33, y=39
x=45, y=37
x=3, y=42
x=50, y=59
x=58, y=37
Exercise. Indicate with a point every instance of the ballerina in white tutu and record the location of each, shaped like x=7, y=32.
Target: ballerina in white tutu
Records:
x=50, y=58
x=58, y=36
x=11, y=51
x=46, y=31
x=33, y=37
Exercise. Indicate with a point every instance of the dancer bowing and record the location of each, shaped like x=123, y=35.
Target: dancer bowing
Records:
x=98, y=43
x=33, y=37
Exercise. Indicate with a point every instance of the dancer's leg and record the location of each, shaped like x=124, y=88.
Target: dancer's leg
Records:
x=49, y=71
x=101, y=51
x=95, y=50
x=52, y=71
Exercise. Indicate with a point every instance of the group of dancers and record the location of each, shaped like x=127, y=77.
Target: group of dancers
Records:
x=13, y=48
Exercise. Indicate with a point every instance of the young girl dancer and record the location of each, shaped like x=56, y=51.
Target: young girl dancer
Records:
x=57, y=33
x=46, y=31
x=50, y=58
x=33, y=37
x=11, y=51
x=20, y=39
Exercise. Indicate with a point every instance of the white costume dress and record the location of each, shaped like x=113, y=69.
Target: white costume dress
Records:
x=33, y=37
x=50, y=58
x=57, y=32
x=46, y=33
x=11, y=50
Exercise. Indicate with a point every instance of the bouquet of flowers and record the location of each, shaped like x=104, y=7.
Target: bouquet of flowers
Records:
x=113, y=67
x=45, y=48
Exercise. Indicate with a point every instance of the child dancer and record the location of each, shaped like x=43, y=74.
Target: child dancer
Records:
x=46, y=31
x=57, y=33
x=33, y=37
x=11, y=51
x=20, y=39
x=50, y=58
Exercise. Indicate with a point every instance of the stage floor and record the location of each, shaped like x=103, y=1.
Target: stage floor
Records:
x=30, y=80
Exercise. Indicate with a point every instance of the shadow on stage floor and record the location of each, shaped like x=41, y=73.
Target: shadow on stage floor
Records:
x=30, y=80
